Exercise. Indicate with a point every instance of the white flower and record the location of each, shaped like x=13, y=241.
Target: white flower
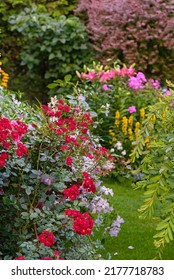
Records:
x=54, y=102
x=119, y=146
x=106, y=109
x=123, y=153
x=109, y=165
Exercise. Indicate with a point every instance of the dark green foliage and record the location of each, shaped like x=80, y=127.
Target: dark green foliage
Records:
x=41, y=44
x=52, y=47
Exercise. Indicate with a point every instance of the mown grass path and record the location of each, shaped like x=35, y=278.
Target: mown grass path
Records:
x=135, y=240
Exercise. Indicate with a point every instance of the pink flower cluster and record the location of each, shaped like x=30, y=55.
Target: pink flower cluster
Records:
x=139, y=82
x=132, y=109
x=136, y=80
x=108, y=75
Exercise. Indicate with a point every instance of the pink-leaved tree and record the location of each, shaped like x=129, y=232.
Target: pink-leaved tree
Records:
x=134, y=31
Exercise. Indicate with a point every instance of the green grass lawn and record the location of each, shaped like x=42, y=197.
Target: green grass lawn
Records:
x=134, y=232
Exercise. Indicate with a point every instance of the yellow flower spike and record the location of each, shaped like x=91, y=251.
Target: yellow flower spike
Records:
x=137, y=136
x=111, y=132
x=117, y=118
x=117, y=114
x=130, y=120
x=165, y=112
x=130, y=133
x=4, y=77
x=142, y=113
x=153, y=118
x=124, y=125
x=147, y=140
x=137, y=130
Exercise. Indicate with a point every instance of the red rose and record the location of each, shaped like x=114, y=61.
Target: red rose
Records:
x=72, y=213
x=47, y=238
x=83, y=224
x=19, y=258
x=69, y=160
x=21, y=150
x=88, y=183
x=72, y=192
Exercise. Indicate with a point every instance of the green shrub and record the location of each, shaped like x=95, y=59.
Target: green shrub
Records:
x=157, y=168
x=52, y=47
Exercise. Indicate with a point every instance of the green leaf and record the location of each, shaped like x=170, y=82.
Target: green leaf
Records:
x=162, y=225
x=24, y=206
x=6, y=200
x=155, y=178
x=51, y=56
x=67, y=78
x=33, y=215
x=24, y=214
x=53, y=85
x=28, y=190
x=170, y=234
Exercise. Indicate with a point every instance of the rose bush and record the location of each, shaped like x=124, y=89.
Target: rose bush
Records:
x=50, y=192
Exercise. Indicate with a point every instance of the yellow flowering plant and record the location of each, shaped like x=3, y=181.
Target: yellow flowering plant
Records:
x=4, y=77
x=157, y=166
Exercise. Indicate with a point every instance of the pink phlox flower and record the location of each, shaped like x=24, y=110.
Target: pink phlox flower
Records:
x=155, y=83
x=166, y=93
x=132, y=109
x=137, y=82
x=140, y=76
x=105, y=87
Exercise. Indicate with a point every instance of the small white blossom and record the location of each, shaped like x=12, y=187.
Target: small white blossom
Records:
x=119, y=146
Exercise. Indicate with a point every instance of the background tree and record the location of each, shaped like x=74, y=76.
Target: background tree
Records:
x=134, y=31
x=30, y=45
